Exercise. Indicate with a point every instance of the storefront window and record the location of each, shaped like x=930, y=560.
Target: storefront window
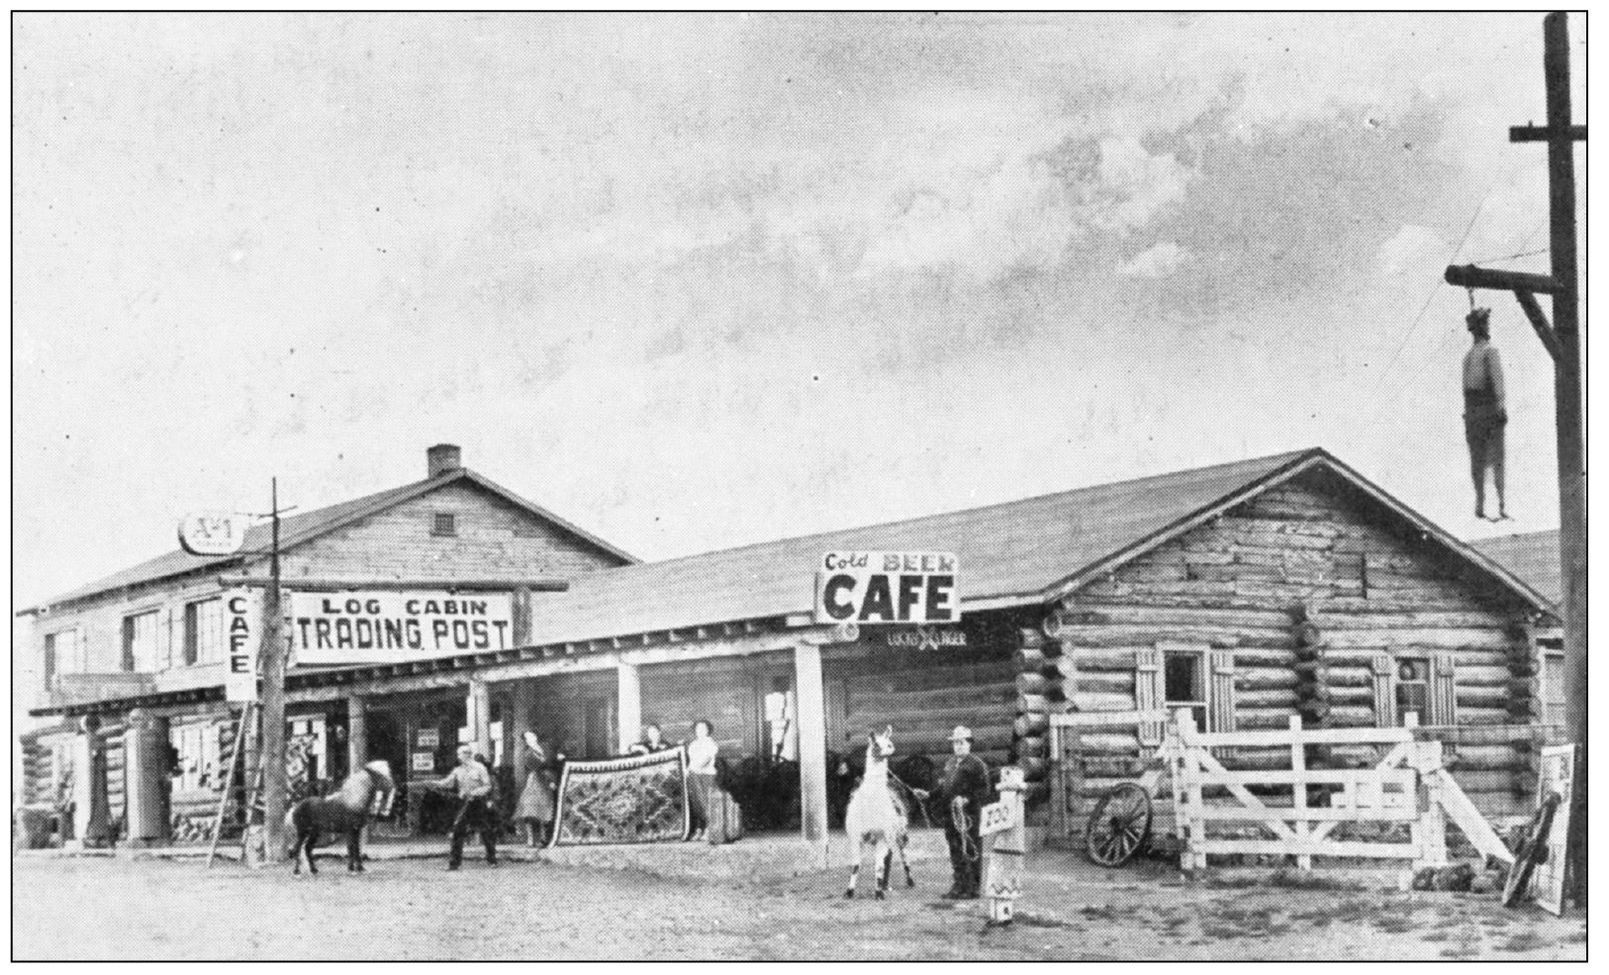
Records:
x=203, y=631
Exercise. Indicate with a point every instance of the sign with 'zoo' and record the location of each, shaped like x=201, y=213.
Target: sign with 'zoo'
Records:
x=386, y=627
x=887, y=587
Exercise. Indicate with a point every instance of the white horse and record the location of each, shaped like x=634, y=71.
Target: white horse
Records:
x=876, y=817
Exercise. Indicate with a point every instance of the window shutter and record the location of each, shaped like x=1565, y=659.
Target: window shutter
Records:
x=1443, y=689
x=1221, y=691
x=1385, y=692
x=1148, y=692
x=50, y=659
x=128, y=643
x=192, y=625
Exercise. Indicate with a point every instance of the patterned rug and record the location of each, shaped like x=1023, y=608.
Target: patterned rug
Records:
x=641, y=799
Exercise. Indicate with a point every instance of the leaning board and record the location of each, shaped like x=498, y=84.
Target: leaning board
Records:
x=640, y=799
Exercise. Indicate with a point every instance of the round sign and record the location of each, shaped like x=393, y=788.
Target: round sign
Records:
x=212, y=533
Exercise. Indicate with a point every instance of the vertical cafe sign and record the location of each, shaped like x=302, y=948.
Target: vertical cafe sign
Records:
x=243, y=614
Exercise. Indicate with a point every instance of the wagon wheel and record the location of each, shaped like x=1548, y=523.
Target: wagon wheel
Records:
x=1531, y=852
x=1119, y=826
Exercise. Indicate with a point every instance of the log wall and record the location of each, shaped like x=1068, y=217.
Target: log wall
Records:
x=1370, y=588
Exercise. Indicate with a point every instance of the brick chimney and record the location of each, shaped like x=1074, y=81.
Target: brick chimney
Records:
x=443, y=458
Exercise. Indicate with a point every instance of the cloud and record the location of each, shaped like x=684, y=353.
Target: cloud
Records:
x=1154, y=262
x=1409, y=248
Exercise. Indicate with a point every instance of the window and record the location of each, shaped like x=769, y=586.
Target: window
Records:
x=1184, y=683
x=1552, y=702
x=64, y=654
x=139, y=642
x=200, y=757
x=445, y=524
x=1413, y=688
x=203, y=631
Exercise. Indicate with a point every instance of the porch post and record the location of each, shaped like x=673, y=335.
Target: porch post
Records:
x=479, y=707
x=357, y=734
x=812, y=740
x=629, y=699
x=521, y=701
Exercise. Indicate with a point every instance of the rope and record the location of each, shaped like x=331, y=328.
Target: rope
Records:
x=1428, y=299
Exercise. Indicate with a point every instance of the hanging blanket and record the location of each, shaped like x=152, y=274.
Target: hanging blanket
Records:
x=641, y=799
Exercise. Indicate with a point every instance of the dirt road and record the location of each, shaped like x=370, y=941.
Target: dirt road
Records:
x=414, y=909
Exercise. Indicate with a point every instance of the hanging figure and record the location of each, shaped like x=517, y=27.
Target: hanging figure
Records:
x=1484, y=413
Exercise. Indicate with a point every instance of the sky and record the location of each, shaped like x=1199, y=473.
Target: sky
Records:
x=694, y=281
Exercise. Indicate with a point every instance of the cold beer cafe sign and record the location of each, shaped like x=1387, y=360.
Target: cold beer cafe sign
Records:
x=387, y=627
x=887, y=587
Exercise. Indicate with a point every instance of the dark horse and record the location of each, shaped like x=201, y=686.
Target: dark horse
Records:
x=346, y=812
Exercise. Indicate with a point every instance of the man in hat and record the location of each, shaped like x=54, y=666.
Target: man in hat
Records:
x=472, y=784
x=1484, y=415
x=964, y=790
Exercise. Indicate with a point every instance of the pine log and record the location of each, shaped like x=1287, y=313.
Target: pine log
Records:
x=1035, y=746
x=1102, y=682
x=1251, y=618
x=1031, y=660
x=1031, y=724
x=1082, y=661
x=1128, y=635
x=1345, y=694
x=1103, y=702
x=1453, y=639
x=1349, y=716
x=1262, y=678
x=1368, y=617
x=1033, y=769
x=1030, y=637
x=1340, y=675
x=1247, y=719
x=1483, y=676
x=1031, y=703
x=1105, y=740
x=1279, y=658
x=1037, y=684
x=1279, y=697
x=1489, y=757
x=1482, y=715
x=1111, y=766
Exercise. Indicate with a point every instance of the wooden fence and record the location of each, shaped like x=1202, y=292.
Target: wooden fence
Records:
x=1290, y=810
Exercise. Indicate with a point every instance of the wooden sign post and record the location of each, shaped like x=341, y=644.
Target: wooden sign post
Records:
x=1005, y=844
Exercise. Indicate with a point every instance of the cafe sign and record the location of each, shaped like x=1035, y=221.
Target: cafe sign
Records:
x=388, y=627
x=867, y=587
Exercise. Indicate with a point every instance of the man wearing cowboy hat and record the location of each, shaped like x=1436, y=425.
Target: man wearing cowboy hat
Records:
x=1484, y=415
x=964, y=789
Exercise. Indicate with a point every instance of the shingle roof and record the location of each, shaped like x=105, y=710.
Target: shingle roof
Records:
x=1015, y=549
x=1533, y=556
x=295, y=529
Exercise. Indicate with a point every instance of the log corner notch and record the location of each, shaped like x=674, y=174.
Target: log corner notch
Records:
x=1039, y=692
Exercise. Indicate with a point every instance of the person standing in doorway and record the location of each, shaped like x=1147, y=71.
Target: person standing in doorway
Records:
x=472, y=784
x=701, y=753
x=964, y=789
x=652, y=740
x=1484, y=412
x=535, y=810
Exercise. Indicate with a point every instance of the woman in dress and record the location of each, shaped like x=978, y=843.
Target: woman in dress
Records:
x=535, y=809
x=701, y=753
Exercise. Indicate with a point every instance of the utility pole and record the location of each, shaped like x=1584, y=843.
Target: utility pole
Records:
x=1563, y=341
x=273, y=710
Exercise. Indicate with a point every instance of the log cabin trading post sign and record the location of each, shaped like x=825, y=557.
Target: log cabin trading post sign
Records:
x=887, y=587
x=388, y=627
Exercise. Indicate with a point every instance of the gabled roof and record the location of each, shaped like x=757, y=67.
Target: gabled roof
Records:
x=297, y=529
x=1533, y=556
x=1017, y=553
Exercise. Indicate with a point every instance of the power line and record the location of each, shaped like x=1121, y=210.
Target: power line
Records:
x=1406, y=335
x=1509, y=257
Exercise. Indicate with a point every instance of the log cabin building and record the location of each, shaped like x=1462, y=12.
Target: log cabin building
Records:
x=1247, y=592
